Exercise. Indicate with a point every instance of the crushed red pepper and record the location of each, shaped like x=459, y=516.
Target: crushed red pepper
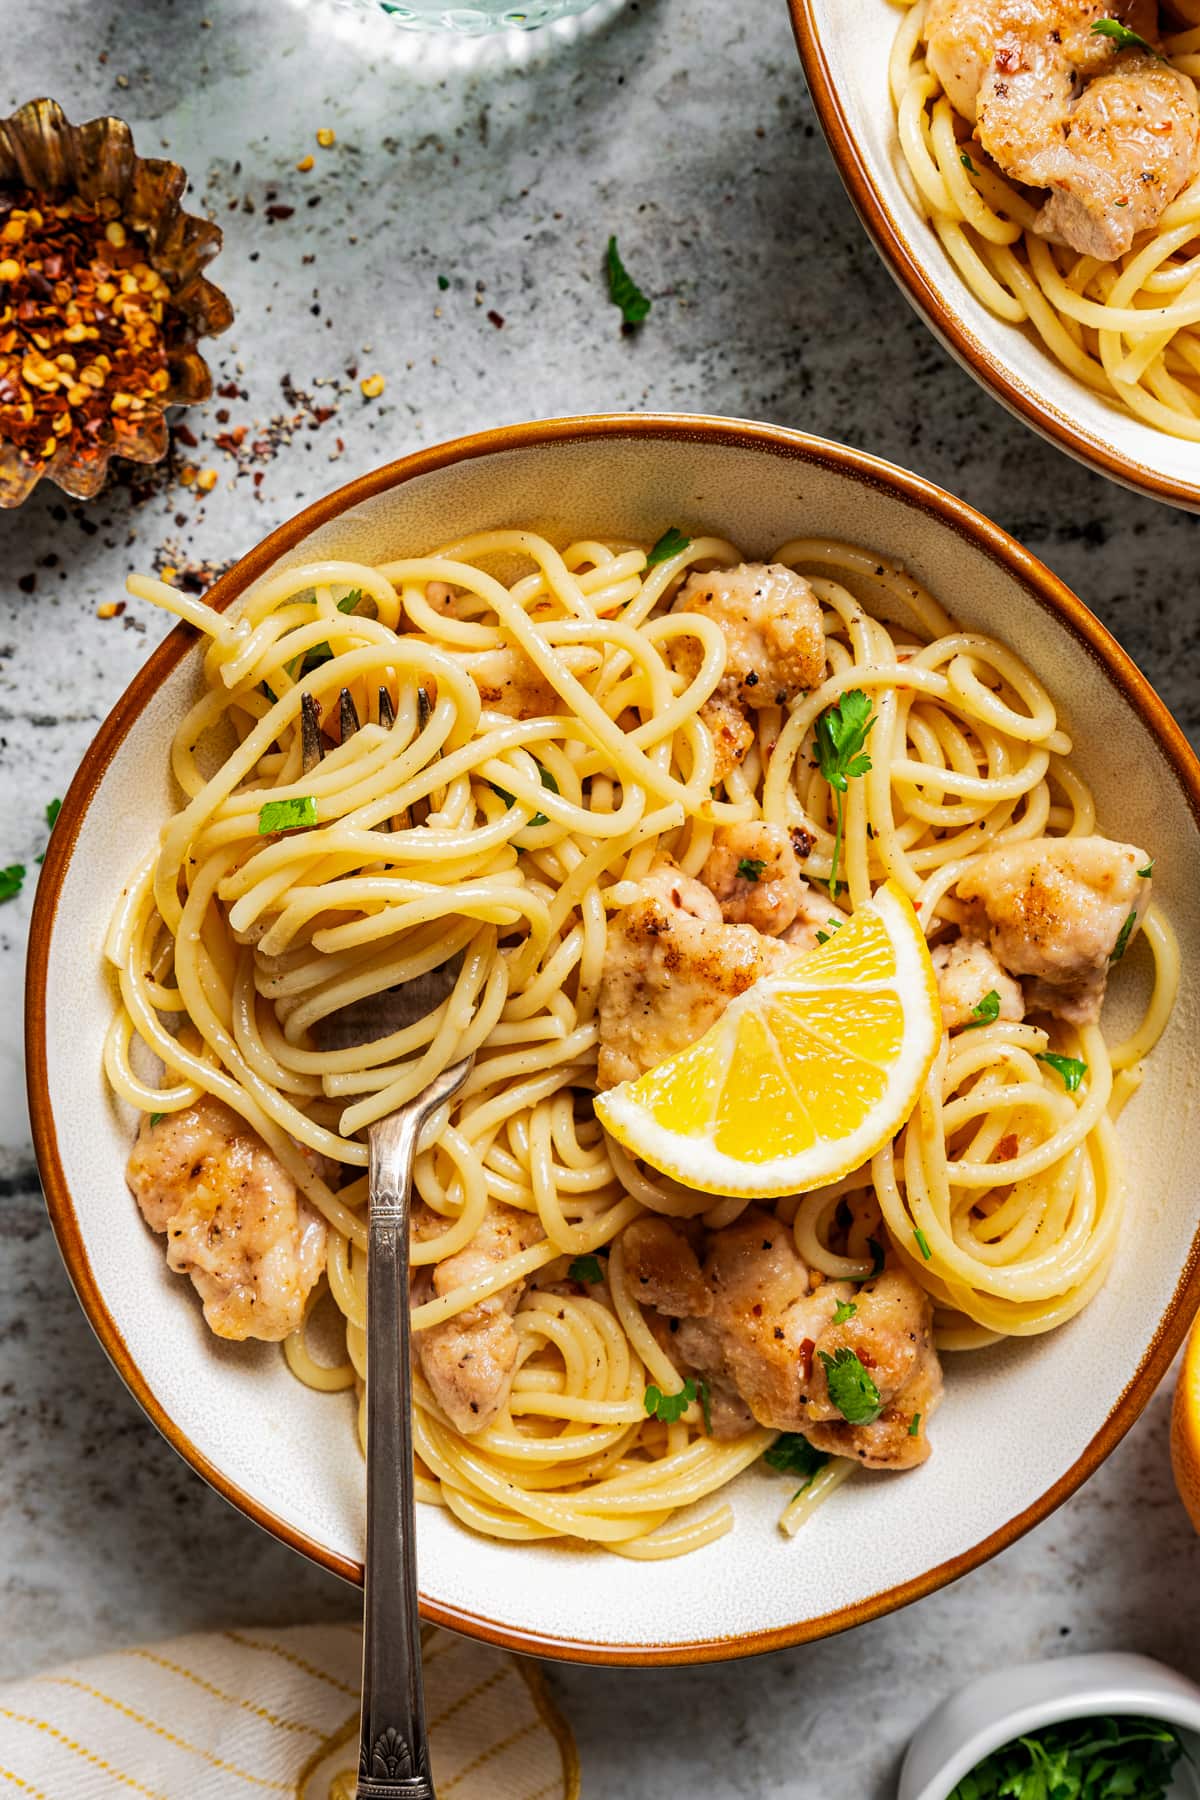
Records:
x=84, y=320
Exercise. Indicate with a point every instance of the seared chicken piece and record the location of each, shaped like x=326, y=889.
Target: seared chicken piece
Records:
x=1111, y=132
x=966, y=973
x=469, y=1360
x=509, y=682
x=1056, y=909
x=753, y=874
x=750, y=1322
x=671, y=967
x=775, y=647
x=234, y=1221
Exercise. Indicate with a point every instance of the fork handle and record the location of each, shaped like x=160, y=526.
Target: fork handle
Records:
x=393, y=1758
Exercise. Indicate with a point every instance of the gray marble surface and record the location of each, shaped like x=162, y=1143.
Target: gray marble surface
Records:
x=683, y=126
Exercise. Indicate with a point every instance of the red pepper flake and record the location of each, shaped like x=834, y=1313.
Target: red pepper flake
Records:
x=807, y=1346
x=279, y=212
x=185, y=435
x=228, y=390
x=496, y=319
x=1008, y=1147
x=85, y=322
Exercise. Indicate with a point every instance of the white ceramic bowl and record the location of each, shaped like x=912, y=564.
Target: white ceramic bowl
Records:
x=1013, y=1702
x=286, y=1455
x=845, y=48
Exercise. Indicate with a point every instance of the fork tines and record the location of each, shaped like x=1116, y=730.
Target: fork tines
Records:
x=312, y=744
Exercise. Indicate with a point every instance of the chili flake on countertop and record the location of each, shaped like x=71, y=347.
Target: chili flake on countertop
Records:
x=82, y=341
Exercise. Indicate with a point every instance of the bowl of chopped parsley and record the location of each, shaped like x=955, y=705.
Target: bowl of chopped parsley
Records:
x=1103, y=1727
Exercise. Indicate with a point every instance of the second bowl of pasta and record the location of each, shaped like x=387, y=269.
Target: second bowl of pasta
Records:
x=807, y=868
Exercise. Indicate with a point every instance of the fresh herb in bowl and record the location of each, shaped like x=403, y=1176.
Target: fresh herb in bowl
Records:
x=1082, y=1759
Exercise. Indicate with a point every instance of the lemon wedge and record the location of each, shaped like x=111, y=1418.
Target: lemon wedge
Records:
x=804, y=1076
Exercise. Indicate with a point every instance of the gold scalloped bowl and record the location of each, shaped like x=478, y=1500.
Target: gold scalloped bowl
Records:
x=41, y=150
x=1023, y=1423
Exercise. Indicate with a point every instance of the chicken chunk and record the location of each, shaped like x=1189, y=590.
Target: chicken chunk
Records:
x=671, y=967
x=751, y=1323
x=1112, y=131
x=753, y=874
x=775, y=647
x=469, y=1360
x=966, y=973
x=234, y=1222
x=510, y=683
x=1055, y=910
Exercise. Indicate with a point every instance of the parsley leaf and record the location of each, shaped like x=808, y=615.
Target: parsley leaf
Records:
x=623, y=290
x=877, y=1261
x=1081, y=1759
x=287, y=815
x=587, y=1270
x=53, y=808
x=914, y=1425
x=792, y=1454
x=850, y=1387
x=750, y=868
x=669, y=544
x=1122, y=943
x=845, y=1309
x=669, y=1407
x=12, y=880
x=823, y=937
x=1123, y=37
x=157, y=1118
x=966, y=162
x=922, y=1242
x=539, y=818
x=1069, y=1067
x=443, y=283
x=986, y=1013
x=321, y=653
x=841, y=734
x=1148, y=871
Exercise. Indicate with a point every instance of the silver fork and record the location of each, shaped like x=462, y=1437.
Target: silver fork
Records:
x=393, y=1751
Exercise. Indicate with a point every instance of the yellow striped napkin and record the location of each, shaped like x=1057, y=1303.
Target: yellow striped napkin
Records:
x=228, y=1715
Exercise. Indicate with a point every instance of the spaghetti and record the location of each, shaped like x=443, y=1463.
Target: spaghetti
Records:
x=231, y=947
x=1128, y=329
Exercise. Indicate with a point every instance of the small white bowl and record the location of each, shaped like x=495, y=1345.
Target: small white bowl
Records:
x=844, y=49
x=1010, y=1703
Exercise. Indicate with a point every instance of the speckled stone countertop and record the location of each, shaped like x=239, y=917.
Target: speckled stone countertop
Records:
x=684, y=126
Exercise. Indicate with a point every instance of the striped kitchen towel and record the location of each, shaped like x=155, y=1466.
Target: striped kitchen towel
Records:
x=229, y=1715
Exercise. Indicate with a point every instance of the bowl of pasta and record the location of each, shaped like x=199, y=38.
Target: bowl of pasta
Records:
x=1031, y=178
x=810, y=873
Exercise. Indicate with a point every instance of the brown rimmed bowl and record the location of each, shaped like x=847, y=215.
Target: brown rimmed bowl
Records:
x=1022, y=1425
x=844, y=49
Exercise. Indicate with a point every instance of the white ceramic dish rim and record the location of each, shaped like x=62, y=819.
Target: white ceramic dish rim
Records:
x=1035, y=1695
x=982, y=344
x=1043, y=589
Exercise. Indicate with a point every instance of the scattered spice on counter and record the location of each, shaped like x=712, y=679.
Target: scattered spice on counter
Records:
x=372, y=386
x=110, y=609
x=84, y=323
x=306, y=163
x=326, y=137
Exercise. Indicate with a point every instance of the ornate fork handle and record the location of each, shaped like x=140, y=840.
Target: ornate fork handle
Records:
x=393, y=1760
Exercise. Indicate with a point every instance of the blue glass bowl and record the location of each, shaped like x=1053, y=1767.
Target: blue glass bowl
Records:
x=480, y=17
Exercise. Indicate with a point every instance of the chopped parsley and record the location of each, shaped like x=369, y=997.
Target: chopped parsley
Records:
x=12, y=880
x=443, y=282
x=1123, y=37
x=1069, y=1067
x=322, y=653
x=539, y=818
x=841, y=734
x=669, y=1407
x=823, y=937
x=1144, y=874
x=750, y=868
x=792, y=1454
x=850, y=1387
x=845, y=1309
x=914, y=1426
x=623, y=290
x=53, y=808
x=1122, y=943
x=922, y=1242
x=966, y=162
x=1080, y=1759
x=669, y=544
x=877, y=1261
x=287, y=815
x=587, y=1270
x=986, y=1013
x=157, y=1118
